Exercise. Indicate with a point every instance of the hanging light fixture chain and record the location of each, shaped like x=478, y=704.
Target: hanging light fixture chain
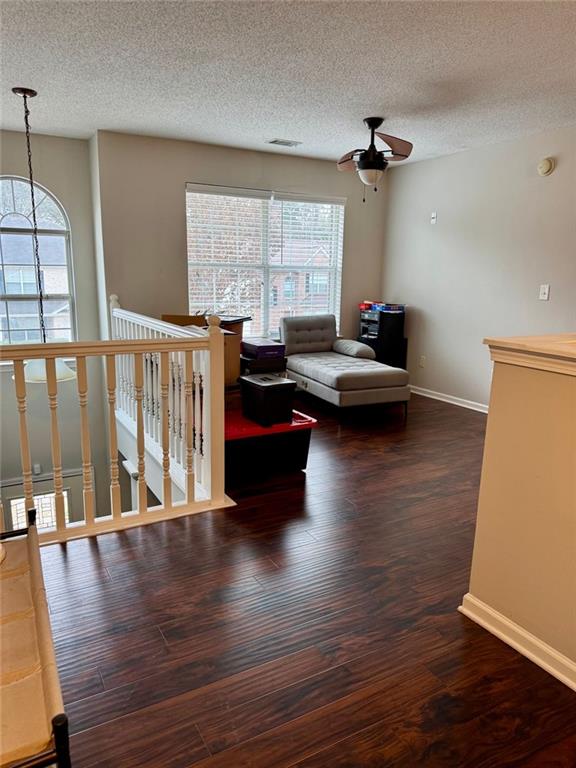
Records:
x=34, y=222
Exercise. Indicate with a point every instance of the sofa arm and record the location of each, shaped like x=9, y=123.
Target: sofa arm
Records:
x=353, y=349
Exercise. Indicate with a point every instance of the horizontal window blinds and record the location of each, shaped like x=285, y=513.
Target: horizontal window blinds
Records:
x=266, y=257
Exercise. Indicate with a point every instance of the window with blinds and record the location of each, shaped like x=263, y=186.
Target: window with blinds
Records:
x=263, y=254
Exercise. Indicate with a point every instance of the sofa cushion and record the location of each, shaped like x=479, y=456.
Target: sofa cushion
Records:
x=346, y=373
x=313, y=333
x=353, y=349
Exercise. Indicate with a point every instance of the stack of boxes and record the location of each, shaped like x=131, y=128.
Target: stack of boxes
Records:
x=267, y=397
x=262, y=356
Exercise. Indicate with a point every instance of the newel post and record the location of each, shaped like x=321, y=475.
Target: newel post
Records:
x=216, y=395
x=113, y=303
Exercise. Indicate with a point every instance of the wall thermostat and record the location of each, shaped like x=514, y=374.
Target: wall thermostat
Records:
x=546, y=166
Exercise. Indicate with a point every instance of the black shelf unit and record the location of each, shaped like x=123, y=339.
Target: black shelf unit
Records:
x=384, y=332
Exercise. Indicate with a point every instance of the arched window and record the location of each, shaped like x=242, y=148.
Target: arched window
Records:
x=19, y=305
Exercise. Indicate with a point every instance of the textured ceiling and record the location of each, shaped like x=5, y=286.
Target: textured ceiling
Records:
x=447, y=75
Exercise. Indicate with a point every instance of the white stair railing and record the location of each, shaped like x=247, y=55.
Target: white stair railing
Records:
x=165, y=389
x=166, y=393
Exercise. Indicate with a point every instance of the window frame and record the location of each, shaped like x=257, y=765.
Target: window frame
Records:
x=66, y=234
x=13, y=514
x=264, y=266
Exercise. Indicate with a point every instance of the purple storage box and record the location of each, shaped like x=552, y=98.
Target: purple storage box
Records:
x=262, y=349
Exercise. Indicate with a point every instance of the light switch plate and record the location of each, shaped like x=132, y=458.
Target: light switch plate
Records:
x=544, y=294
x=433, y=217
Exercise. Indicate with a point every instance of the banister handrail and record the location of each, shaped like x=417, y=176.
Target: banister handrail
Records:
x=67, y=349
x=159, y=325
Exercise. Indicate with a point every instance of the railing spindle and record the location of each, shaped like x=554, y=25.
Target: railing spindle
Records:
x=131, y=387
x=182, y=409
x=52, y=387
x=171, y=406
x=20, y=387
x=147, y=394
x=198, y=424
x=125, y=374
x=115, y=498
x=140, y=444
x=177, y=403
x=164, y=384
x=189, y=411
x=87, y=482
x=156, y=401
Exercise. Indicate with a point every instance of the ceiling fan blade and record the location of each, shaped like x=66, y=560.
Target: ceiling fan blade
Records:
x=346, y=162
x=347, y=165
x=401, y=149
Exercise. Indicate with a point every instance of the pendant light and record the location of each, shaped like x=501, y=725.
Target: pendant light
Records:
x=35, y=370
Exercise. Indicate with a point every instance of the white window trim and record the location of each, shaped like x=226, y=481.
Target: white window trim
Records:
x=67, y=234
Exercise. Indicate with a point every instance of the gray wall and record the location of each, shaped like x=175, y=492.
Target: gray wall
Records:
x=62, y=165
x=143, y=224
x=502, y=230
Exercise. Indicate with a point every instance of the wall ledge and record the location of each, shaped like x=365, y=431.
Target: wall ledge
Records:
x=536, y=360
x=539, y=652
x=460, y=401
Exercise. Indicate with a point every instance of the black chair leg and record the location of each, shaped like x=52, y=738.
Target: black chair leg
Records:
x=61, y=741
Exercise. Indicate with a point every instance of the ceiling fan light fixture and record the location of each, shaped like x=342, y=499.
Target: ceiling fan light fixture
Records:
x=371, y=163
x=370, y=176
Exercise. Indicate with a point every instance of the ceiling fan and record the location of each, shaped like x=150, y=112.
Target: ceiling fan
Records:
x=371, y=163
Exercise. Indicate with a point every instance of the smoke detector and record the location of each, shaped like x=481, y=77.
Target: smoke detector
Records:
x=546, y=166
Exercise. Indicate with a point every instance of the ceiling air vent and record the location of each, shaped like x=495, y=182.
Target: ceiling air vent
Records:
x=284, y=142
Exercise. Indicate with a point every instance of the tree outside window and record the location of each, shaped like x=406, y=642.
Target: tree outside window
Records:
x=255, y=253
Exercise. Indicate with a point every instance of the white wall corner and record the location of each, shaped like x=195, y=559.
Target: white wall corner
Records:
x=104, y=320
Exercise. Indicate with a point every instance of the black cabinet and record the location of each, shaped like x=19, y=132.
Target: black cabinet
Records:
x=384, y=332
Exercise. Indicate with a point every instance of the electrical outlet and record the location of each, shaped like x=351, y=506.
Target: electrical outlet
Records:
x=422, y=361
x=37, y=469
x=544, y=294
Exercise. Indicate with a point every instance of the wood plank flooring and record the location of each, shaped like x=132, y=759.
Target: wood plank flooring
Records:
x=314, y=625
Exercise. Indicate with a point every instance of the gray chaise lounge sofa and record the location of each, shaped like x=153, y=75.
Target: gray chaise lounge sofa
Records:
x=341, y=371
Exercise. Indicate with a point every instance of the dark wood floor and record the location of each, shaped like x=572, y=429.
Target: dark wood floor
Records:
x=314, y=625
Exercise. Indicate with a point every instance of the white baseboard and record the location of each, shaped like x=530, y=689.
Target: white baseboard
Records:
x=520, y=639
x=450, y=399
